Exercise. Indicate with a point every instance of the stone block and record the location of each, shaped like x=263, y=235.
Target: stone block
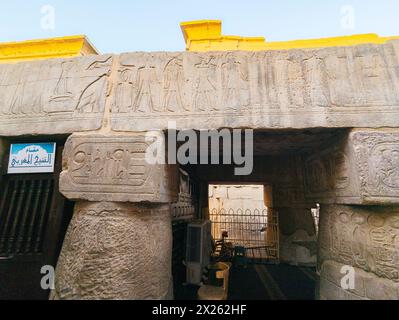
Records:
x=341, y=87
x=114, y=168
x=361, y=168
x=330, y=87
x=363, y=237
x=53, y=96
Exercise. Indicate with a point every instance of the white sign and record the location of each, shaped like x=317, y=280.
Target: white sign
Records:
x=32, y=158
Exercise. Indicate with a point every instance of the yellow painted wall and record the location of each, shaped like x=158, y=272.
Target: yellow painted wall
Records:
x=64, y=47
x=206, y=35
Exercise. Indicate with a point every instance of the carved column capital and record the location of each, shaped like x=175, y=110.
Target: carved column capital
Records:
x=114, y=168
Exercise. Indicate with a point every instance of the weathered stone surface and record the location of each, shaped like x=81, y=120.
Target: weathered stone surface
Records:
x=53, y=96
x=298, y=249
x=116, y=251
x=294, y=219
x=363, y=168
x=331, y=87
x=364, y=237
x=367, y=285
x=298, y=239
x=114, y=168
x=377, y=159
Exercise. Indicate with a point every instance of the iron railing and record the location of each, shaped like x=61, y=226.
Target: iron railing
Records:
x=255, y=229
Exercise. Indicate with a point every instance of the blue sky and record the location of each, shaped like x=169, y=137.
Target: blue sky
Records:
x=116, y=26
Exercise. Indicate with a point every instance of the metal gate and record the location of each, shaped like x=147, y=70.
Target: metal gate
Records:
x=255, y=229
x=33, y=220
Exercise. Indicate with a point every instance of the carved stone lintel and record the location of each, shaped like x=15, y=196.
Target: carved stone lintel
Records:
x=116, y=251
x=114, y=168
x=53, y=96
x=361, y=169
x=363, y=237
x=355, y=86
x=330, y=87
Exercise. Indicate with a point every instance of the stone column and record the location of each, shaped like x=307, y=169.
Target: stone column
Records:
x=298, y=241
x=357, y=183
x=119, y=242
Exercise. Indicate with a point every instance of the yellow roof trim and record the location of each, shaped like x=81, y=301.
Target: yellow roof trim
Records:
x=62, y=47
x=206, y=35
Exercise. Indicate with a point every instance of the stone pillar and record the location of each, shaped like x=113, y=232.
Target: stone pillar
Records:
x=357, y=183
x=119, y=242
x=298, y=240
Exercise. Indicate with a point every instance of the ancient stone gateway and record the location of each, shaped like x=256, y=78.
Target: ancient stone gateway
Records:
x=326, y=129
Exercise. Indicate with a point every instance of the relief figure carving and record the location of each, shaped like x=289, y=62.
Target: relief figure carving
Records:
x=205, y=91
x=235, y=84
x=147, y=88
x=173, y=87
x=62, y=95
x=126, y=90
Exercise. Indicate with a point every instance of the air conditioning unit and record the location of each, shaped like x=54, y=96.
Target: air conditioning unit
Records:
x=198, y=251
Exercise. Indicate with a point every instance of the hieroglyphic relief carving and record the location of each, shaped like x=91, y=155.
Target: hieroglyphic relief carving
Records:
x=368, y=286
x=377, y=154
x=371, y=70
x=367, y=238
x=114, y=168
x=361, y=168
x=362, y=76
x=316, y=80
x=331, y=87
x=70, y=91
x=339, y=70
x=327, y=171
x=285, y=80
x=293, y=83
